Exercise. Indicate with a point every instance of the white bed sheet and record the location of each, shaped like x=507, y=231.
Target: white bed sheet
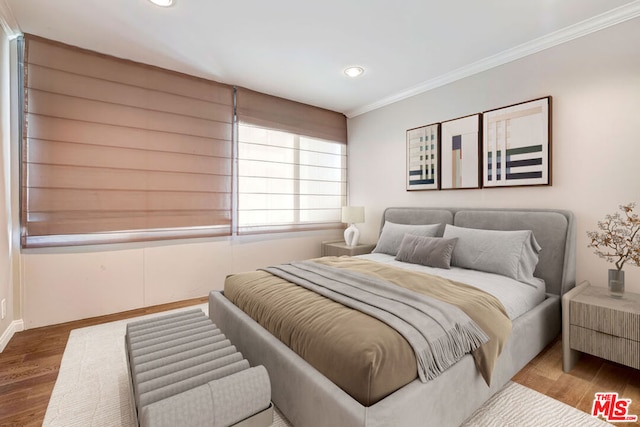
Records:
x=517, y=297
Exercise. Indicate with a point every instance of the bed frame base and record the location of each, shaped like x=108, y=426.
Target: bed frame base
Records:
x=307, y=398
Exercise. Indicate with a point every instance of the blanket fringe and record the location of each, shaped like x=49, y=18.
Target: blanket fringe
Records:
x=448, y=349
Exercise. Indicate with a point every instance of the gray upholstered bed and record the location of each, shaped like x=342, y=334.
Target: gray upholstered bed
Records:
x=307, y=398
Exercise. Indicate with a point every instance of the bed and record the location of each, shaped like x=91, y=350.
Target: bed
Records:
x=309, y=398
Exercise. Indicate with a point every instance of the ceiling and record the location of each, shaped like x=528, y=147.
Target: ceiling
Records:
x=298, y=49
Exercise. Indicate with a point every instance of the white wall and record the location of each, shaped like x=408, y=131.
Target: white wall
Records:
x=6, y=284
x=595, y=85
x=68, y=284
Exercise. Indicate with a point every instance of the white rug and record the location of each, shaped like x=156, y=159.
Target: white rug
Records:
x=93, y=390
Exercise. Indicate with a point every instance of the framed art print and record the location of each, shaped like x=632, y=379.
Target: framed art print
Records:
x=516, y=145
x=422, y=158
x=460, y=153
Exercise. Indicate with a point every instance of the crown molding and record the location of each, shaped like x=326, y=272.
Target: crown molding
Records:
x=583, y=28
x=8, y=21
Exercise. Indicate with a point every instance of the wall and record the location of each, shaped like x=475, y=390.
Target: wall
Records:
x=6, y=257
x=69, y=284
x=595, y=85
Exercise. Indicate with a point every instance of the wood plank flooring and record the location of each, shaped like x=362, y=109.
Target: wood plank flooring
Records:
x=578, y=387
x=29, y=367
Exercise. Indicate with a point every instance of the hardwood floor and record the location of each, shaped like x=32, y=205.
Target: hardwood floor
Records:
x=29, y=367
x=578, y=387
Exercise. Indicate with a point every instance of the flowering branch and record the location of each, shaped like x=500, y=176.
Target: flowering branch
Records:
x=619, y=241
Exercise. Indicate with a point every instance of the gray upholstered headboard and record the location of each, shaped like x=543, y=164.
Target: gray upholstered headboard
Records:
x=553, y=229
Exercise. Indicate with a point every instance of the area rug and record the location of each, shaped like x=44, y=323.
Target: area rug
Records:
x=92, y=389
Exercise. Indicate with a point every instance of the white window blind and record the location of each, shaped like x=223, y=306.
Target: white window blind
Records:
x=288, y=182
x=292, y=164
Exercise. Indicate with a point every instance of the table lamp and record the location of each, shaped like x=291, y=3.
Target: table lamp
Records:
x=352, y=215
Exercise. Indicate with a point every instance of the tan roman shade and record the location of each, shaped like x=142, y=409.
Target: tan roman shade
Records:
x=271, y=112
x=117, y=151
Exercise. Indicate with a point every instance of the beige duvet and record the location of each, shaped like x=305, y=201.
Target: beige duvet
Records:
x=362, y=355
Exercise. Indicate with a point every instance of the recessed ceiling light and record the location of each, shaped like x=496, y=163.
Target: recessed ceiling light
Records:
x=163, y=3
x=354, y=71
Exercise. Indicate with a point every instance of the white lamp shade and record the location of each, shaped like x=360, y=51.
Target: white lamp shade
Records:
x=352, y=214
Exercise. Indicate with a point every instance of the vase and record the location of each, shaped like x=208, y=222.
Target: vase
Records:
x=616, y=283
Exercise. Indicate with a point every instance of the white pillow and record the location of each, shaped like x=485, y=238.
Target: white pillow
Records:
x=509, y=253
x=392, y=235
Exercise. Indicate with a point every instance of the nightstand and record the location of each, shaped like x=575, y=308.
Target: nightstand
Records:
x=595, y=323
x=339, y=248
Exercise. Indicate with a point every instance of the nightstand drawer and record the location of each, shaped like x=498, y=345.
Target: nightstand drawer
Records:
x=616, y=349
x=613, y=321
x=595, y=323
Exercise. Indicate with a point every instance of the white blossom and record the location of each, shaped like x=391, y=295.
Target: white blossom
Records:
x=619, y=239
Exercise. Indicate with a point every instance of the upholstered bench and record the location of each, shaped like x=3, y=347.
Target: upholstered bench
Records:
x=185, y=372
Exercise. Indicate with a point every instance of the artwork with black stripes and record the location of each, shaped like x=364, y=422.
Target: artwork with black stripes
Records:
x=423, y=144
x=516, y=144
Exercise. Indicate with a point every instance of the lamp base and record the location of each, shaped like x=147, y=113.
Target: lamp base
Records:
x=352, y=235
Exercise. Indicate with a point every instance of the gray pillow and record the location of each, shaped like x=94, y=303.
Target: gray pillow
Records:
x=392, y=234
x=509, y=253
x=429, y=251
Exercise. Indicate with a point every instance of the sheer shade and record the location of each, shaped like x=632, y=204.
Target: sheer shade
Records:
x=288, y=182
x=292, y=167
x=116, y=151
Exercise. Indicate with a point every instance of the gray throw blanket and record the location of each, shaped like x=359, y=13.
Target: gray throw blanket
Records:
x=439, y=333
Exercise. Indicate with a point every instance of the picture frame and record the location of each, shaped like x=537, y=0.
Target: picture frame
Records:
x=423, y=158
x=460, y=166
x=523, y=133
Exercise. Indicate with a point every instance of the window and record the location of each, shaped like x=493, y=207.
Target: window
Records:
x=288, y=181
x=115, y=151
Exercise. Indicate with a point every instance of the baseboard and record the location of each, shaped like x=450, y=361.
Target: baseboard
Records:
x=15, y=326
